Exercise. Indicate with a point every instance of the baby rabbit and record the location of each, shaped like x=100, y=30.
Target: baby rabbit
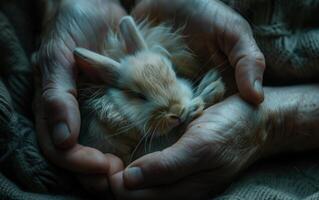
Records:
x=141, y=90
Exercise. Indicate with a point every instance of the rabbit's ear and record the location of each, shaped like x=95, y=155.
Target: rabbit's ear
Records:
x=97, y=67
x=162, y=51
x=132, y=37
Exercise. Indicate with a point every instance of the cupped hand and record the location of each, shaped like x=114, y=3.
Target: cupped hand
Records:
x=216, y=32
x=215, y=148
x=70, y=24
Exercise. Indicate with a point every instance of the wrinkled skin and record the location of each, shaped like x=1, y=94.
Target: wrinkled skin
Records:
x=216, y=146
x=214, y=32
x=225, y=34
x=225, y=140
x=72, y=23
x=229, y=135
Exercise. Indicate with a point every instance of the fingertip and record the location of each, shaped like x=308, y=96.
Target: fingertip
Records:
x=253, y=94
x=115, y=164
x=139, y=173
x=249, y=77
x=133, y=177
x=157, y=168
x=250, y=64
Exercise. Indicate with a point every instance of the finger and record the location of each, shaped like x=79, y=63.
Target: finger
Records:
x=167, y=166
x=63, y=117
x=249, y=63
x=196, y=187
x=77, y=158
x=99, y=182
x=56, y=94
x=58, y=70
x=57, y=112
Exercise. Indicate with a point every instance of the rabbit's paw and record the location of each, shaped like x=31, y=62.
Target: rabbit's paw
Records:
x=196, y=108
x=211, y=89
x=210, y=77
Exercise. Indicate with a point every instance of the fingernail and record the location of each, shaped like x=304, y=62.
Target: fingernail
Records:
x=259, y=88
x=133, y=177
x=60, y=133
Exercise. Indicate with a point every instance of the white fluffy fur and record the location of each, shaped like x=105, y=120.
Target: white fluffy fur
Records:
x=150, y=97
x=157, y=35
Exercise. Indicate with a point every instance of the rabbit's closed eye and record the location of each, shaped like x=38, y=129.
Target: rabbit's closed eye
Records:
x=135, y=95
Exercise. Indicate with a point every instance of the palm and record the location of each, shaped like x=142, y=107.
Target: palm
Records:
x=213, y=150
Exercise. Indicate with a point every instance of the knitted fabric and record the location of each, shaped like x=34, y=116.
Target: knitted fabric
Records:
x=286, y=31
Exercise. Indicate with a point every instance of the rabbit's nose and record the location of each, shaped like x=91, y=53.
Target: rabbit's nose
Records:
x=174, y=120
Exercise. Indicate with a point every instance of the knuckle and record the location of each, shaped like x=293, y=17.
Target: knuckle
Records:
x=165, y=165
x=257, y=60
x=57, y=100
x=260, y=65
x=49, y=94
x=51, y=99
x=259, y=56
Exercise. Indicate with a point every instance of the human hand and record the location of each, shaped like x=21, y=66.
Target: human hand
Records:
x=223, y=141
x=74, y=23
x=215, y=31
x=215, y=148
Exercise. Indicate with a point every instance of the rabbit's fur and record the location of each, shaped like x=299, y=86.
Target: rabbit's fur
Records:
x=140, y=93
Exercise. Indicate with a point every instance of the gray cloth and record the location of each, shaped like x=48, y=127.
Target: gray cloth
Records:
x=24, y=172
x=284, y=178
x=286, y=32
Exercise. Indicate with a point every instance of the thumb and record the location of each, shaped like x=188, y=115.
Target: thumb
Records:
x=249, y=63
x=162, y=167
x=56, y=93
x=63, y=116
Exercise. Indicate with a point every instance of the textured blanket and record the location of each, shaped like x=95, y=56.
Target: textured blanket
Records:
x=287, y=32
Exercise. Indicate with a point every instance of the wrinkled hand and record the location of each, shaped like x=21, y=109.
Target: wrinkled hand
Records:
x=216, y=146
x=217, y=32
x=74, y=23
